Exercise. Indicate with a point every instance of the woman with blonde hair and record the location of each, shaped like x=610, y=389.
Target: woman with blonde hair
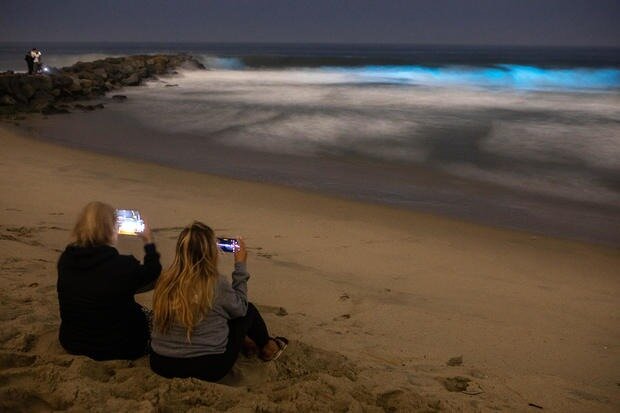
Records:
x=200, y=320
x=96, y=285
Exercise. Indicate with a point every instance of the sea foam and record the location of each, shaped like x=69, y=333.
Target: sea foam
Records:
x=507, y=135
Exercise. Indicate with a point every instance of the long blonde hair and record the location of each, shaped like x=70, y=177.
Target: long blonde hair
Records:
x=185, y=292
x=96, y=225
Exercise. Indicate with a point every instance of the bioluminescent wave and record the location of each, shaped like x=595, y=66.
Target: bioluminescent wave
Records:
x=562, y=143
x=504, y=76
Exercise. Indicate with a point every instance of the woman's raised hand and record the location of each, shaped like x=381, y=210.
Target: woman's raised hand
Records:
x=241, y=254
x=146, y=235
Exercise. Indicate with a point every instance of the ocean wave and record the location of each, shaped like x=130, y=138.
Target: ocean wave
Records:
x=503, y=76
x=539, y=140
x=506, y=76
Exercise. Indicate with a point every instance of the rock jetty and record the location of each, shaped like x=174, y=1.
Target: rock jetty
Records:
x=54, y=92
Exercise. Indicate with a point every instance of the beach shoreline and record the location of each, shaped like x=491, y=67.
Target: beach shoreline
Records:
x=423, y=188
x=396, y=292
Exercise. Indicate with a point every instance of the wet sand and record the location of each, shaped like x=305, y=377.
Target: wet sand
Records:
x=376, y=300
x=423, y=187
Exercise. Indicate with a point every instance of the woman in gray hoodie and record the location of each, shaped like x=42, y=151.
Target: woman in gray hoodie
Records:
x=201, y=320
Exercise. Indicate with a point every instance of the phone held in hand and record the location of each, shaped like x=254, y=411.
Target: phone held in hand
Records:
x=129, y=222
x=228, y=244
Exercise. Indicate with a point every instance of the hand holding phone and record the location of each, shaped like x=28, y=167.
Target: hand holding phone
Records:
x=146, y=235
x=241, y=254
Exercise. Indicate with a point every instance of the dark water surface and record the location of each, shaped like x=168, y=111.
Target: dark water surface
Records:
x=112, y=131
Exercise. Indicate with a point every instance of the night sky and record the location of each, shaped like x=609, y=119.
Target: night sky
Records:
x=468, y=22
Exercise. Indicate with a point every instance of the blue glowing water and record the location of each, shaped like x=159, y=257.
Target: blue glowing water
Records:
x=501, y=76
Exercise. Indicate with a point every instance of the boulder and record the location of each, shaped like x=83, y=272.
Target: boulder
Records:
x=26, y=89
x=88, y=108
x=133, y=80
x=7, y=100
x=101, y=72
x=119, y=98
x=61, y=81
x=190, y=65
x=84, y=108
x=75, y=84
x=86, y=83
x=40, y=101
x=4, y=84
x=55, y=110
x=126, y=69
x=15, y=90
x=39, y=82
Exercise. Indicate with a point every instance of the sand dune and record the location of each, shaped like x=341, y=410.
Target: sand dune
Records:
x=387, y=310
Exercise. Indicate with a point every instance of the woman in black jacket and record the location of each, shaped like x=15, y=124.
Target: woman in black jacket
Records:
x=96, y=286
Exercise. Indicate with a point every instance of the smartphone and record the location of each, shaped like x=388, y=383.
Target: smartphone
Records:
x=129, y=222
x=228, y=244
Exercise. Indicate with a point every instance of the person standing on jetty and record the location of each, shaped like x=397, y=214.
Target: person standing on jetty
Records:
x=30, y=60
x=96, y=285
x=200, y=320
x=36, y=56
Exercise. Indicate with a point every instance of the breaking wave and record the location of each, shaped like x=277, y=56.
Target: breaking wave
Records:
x=562, y=142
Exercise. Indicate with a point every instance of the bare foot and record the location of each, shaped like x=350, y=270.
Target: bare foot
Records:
x=249, y=347
x=270, y=349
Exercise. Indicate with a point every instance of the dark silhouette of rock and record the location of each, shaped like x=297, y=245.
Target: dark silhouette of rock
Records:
x=88, y=108
x=55, y=110
x=133, y=80
x=7, y=100
x=119, y=98
x=82, y=81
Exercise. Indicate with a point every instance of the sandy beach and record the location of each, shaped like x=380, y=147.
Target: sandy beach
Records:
x=386, y=309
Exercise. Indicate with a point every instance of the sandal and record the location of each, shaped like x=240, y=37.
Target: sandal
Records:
x=282, y=343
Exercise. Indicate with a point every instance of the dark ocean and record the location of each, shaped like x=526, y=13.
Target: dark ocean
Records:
x=510, y=136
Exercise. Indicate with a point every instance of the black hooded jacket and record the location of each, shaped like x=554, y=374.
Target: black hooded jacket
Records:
x=99, y=315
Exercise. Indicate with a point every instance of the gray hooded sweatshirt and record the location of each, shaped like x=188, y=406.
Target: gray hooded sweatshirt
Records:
x=210, y=335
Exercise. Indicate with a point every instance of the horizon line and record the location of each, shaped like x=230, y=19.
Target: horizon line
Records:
x=310, y=43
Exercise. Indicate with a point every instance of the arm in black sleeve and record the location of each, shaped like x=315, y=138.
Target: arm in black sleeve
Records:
x=148, y=272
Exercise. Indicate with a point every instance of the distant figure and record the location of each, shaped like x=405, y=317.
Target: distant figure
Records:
x=30, y=61
x=200, y=320
x=96, y=285
x=36, y=57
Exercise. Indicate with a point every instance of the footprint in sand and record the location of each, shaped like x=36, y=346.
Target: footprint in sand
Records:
x=279, y=311
x=16, y=399
x=265, y=255
x=9, y=360
x=456, y=384
x=20, y=234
